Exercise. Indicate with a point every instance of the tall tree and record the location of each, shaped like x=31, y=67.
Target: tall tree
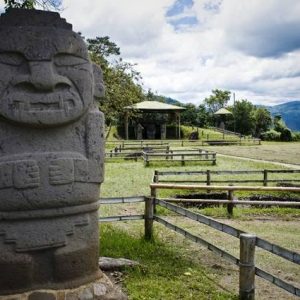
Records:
x=189, y=115
x=244, y=117
x=217, y=100
x=263, y=120
x=122, y=82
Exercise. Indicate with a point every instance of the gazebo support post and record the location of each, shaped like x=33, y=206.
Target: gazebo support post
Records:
x=179, y=133
x=126, y=125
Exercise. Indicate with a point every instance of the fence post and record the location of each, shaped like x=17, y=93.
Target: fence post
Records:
x=247, y=266
x=147, y=159
x=111, y=153
x=214, y=159
x=149, y=218
x=265, y=177
x=167, y=151
x=155, y=177
x=182, y=160
x=230, y=205
x=182, y=143
x=208, y=179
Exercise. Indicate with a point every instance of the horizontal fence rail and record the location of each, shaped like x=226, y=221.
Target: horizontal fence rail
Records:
x=159, y=176
x=180, y=156
x=272, y=248
x=121, y=200
x=121, y=218
x=238, y=202
x=224, y=188
x=277, y=281
x=198, y=240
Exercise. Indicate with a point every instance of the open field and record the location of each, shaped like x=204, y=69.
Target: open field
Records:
x=195, y=273
x=270, y=151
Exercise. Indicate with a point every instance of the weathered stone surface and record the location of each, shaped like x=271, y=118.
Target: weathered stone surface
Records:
x=51, y=154
x=111, y=264
x=86, y=294
x=100, y=289
x=42, y=296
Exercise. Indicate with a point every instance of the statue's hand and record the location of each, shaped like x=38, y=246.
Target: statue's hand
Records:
x=61, y=171
x=26, y=174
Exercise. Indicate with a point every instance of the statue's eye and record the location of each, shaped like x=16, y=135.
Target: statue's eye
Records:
x=11, y=58
x=68, y=60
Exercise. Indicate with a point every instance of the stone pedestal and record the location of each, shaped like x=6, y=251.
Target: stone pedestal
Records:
x=101, y=289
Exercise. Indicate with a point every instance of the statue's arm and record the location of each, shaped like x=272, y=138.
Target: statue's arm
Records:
x=95, y=146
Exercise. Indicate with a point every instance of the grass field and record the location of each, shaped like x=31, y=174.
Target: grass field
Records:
x=271, y=151
x=173, y=267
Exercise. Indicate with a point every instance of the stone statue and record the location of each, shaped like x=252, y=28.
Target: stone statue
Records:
x=51, y=154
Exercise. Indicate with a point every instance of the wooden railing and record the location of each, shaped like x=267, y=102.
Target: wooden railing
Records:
x=248, y=242
x=209, y=176
x=182, y=156
x=138, y=144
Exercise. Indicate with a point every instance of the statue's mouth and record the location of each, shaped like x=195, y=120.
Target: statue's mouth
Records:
x=42, y=109
x=42, y=106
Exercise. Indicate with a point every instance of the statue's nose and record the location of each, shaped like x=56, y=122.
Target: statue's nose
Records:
x=43, y=77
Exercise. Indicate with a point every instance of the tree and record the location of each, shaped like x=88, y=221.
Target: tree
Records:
x=31, y=4
x=216, y=101
x=189, y=115
x=202, y=116
x=244, y=117
x=122, y=82
x=263, y=120
x=280, y=126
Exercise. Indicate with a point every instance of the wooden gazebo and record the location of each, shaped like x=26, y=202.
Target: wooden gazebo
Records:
x=154, y=107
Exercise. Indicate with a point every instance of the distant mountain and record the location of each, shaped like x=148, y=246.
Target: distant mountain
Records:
x=290, y=113
x=169, y=100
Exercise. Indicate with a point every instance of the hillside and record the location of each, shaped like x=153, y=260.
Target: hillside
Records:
x=290, y=113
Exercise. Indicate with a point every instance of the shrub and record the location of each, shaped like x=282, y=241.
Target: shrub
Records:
x=271, y=135
x=286, y=135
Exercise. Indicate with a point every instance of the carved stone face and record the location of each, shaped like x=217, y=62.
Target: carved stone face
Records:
x=46, y=78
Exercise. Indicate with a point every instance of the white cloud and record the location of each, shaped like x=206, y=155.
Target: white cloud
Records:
x=249, y=47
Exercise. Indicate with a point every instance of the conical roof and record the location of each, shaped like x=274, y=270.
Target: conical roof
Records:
x=154, y=106
x=223, y=111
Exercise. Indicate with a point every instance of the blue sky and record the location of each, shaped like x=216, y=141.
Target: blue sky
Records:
x=186, y=48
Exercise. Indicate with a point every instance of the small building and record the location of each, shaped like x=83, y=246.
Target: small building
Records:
x=153, y=129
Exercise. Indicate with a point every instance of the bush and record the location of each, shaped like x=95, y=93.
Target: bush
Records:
x=286, y=135
x=271, y=135
x=296, y=136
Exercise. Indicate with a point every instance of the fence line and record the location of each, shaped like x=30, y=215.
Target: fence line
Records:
x=238, y=202
x=267, y=246
x=229, y=257
x=224, y=188
x=208, y=173
x=116, y=200
x=149, y=217
x=198, y=240
x=121, y=218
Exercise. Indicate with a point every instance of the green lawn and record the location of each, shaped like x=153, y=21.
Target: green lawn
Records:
x=175, y=268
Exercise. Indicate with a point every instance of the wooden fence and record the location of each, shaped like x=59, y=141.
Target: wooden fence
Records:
x=209, y=176
x=248, y=242
x=208, y=141
x=182, y=156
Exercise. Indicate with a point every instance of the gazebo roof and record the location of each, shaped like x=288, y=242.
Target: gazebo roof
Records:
x=223, y=111
x=154, y=106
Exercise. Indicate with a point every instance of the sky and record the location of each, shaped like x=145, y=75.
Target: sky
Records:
x=186, y=48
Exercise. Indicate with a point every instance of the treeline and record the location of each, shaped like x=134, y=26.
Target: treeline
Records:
x=245, y=118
